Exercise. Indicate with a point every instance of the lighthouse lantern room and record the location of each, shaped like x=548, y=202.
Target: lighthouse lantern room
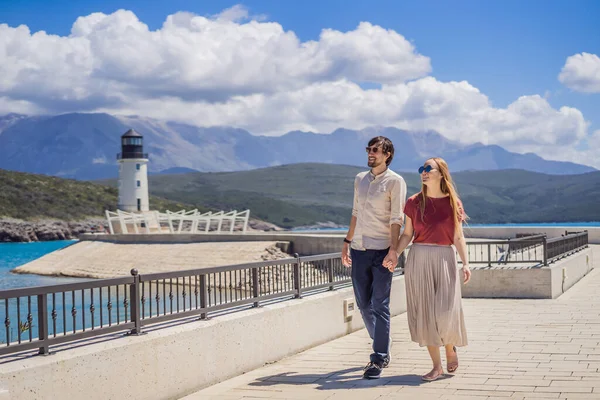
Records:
x=133, y=173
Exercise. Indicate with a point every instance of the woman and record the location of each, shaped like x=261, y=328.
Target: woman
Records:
x=433, y=220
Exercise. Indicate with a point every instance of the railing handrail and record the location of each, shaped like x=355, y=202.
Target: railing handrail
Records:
x=531, y=237
x=49, y=289
x=212, y=270
x=568, y=236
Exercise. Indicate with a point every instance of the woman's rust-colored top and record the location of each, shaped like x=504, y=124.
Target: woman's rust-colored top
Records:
x=437, y=224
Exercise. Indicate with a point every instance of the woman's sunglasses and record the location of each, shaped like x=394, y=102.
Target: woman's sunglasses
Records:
x=427, y=169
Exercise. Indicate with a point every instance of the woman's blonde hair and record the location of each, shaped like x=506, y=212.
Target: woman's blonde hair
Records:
x=447, y=186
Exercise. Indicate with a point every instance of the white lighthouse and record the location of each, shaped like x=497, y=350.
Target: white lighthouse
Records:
x=133, y=173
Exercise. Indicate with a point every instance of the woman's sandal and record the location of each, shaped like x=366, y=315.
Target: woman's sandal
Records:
x=453, y=366
x=430, y=378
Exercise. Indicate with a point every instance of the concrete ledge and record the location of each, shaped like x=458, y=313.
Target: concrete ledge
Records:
x=570, y=270
x=531, y=282
x=176, y=361
x=303, y=244
x=315, y=243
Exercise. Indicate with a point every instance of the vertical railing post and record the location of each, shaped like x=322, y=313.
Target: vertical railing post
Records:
x=401, y=261
x=42, y=303
x=545, y=249
x=203, y=295
x=134, y=296
x=297, y=280
x=489, y=246
x=330, y=271
x=255, y=287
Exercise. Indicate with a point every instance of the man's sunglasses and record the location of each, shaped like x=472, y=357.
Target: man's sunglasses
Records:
x=374, y=150
x=427, y=169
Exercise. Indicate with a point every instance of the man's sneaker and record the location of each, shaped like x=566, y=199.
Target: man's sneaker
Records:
x=372, y=371
x=386, y=360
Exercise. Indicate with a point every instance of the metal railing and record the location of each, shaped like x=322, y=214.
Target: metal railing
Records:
x=535, y=249
x=523, y=250
x=41, y=316
x=563, y=246
x=44, y=316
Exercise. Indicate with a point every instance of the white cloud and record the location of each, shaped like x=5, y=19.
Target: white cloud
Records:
x=109, y=58
x=581, y=72
x=238, y=13
x=233, y=69
x=456, y=109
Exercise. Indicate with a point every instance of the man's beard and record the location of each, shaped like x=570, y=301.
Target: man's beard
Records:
x=374, y=163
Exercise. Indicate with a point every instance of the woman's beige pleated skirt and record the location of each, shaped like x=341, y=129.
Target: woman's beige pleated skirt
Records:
x=433, y=294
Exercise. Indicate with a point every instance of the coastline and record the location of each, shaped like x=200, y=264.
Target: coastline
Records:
x=14, y=230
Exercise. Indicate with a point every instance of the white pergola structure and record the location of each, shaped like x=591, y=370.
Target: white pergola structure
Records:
x=177, y=222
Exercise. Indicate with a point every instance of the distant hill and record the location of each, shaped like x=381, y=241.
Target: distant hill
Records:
x=304, y=194
x=84, y=146
x=31, y=197
x=175, y=170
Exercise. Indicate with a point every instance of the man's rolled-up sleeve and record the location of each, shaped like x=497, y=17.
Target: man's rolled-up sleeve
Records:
x=355, y=202
x=398, y=200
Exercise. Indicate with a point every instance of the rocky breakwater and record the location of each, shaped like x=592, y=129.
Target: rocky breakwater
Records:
x=14, y=230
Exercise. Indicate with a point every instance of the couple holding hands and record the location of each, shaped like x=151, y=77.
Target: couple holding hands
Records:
x=432, y=220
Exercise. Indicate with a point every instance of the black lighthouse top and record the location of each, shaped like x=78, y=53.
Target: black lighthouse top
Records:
x=132, y=146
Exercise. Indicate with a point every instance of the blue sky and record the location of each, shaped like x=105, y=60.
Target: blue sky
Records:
x=506, y=49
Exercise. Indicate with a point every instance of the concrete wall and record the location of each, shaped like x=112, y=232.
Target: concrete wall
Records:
x=179, y=360
x=510, y=232
x=307, y=244
x=567, y=272
x=303, y=244
x=530, y=283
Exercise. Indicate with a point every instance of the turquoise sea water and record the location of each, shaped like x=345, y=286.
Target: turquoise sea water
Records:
x=13, y=255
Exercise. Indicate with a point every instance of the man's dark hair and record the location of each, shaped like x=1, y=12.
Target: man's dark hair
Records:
x=386, y=146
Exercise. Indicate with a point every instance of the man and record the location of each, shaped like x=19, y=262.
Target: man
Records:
x=377, y=214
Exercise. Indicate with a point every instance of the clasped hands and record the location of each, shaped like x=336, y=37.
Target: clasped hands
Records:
x=391, y=260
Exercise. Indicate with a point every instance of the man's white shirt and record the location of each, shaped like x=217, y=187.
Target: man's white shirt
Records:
x=378, y=204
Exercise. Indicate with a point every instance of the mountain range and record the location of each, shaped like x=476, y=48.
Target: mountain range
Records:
x=84, y=146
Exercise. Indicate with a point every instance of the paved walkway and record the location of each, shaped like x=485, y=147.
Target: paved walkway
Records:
x=519, y=349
